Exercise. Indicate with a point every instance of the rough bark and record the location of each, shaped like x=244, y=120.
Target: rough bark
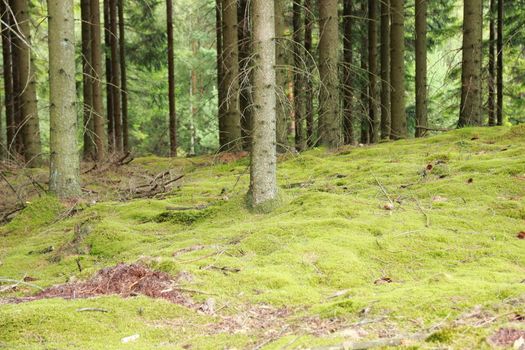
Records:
x=99, y=124
x=470, y=113
x=245, y=51
x=397, y=70
x=109, y=90
x=421, y=68
x=499, y=108
x=366, y=123
x=123, y=76
x=230, y=66
x=263, y=181
x=87, y=81
x=280, y=71
x=348, y=95
x=309, y=91
x=27, y=87
x=65, y=162
x=492, y=63
x=10, y=122
x=299, y=58
x=171, y=81
x=373, y=115
x=385, y=69
x=115, y=77
x=329, y=108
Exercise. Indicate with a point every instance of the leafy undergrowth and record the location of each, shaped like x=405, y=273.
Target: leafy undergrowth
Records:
x=416, y=237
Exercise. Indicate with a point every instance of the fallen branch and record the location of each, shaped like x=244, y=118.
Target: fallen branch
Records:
x=91, y=309
x=9, y=280
x=383, y=189
x=198, y=207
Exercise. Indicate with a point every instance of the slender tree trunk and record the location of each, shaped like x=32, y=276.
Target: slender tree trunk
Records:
x=366, y=123
x=470, y=114
x=372, y=71
x=230, y=67
x=8, y=77
x=329, y=108
x=87, y=81
x=27, y=79
x=492, y=63
x=500, y=63
x=99, y=124
x=299, y=58
x=109, y=79
x=15, y=59
x=397, y=73
x=245, y=51
x=421, y=68
x=194, y=91
x=263, y=179
x=280, y=71
x=123, y=75
x=385, y=69
x=171, y=81
x=221, y=86
x=348, y=94
x=65, y=162
x=309, y=91
x=115, y=77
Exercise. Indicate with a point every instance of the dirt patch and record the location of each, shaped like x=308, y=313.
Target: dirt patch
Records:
x=506, y=337
x=123, y=280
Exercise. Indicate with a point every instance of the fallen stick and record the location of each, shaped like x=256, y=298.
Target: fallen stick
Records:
x=91, y=309
x=9, y=280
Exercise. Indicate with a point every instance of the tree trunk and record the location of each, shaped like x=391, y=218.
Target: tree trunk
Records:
x=8, y=77
x=27, y=80
x=492, y=63
x=193, y=95
x=470, y=114
x=309, y=91
x=263, y=179
x=421, y=68
x=280, y=73
x=372, y=71
x=397, y=72
x=171, y=81
x=245, y=51
x=115, y=77
x=97, y=98
x=299, y=58
x=500, y=63
x=65, y=163
x=348, y=94
x=365, y=120
x=109, y=79
x=87, y=81
x=123, y=76
x=230, y=67
x=329, y=109
x=385, y=69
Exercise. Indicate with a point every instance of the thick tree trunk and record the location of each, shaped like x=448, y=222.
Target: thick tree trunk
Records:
x=109, y=79
x=115, y=77
x=65, y=163
x=245, y=51
x=299, y=59
x=280, y=71
x=263, y=179
x=348, y=94
x=99, y=124
x=123, y=75
x=397, y=70
x=470, y=113
x=87, y=81
x=421, y=68
x=372, y=71
x=329, y=108
x=8, y=78
x=27, y=85
x=230, y=67
x=499, y=109
x=385, y=69
x=171, y=81
x=309, y=91
x=15, y=59
x=492, y=64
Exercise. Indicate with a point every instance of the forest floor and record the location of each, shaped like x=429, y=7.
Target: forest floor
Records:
x=417, y=244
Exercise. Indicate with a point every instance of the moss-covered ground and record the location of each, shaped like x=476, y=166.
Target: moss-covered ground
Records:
x=371, y=238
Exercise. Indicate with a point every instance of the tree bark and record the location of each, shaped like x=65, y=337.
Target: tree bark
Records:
x=299, y=58
x=492, y=63
x=230, y=67
x=366, y=123
x=245, y=51
x=123, y=76
x=470, y=113
x=171, y=81
x=421, y=68
x=397, y=73
x=263, y=179
x=280, y=71
x=115, y=77
x=109, y=79
x=99, y=124
x=8, y=78
x=65, y=163
x=348, y=94
x=499, y=108
x=27, y=87
x=329, y=109
x=309, y=91
x=87, y=81
x=385, y=69
x=372, y=71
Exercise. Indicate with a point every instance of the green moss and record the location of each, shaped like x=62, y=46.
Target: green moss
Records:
x=38, y=213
